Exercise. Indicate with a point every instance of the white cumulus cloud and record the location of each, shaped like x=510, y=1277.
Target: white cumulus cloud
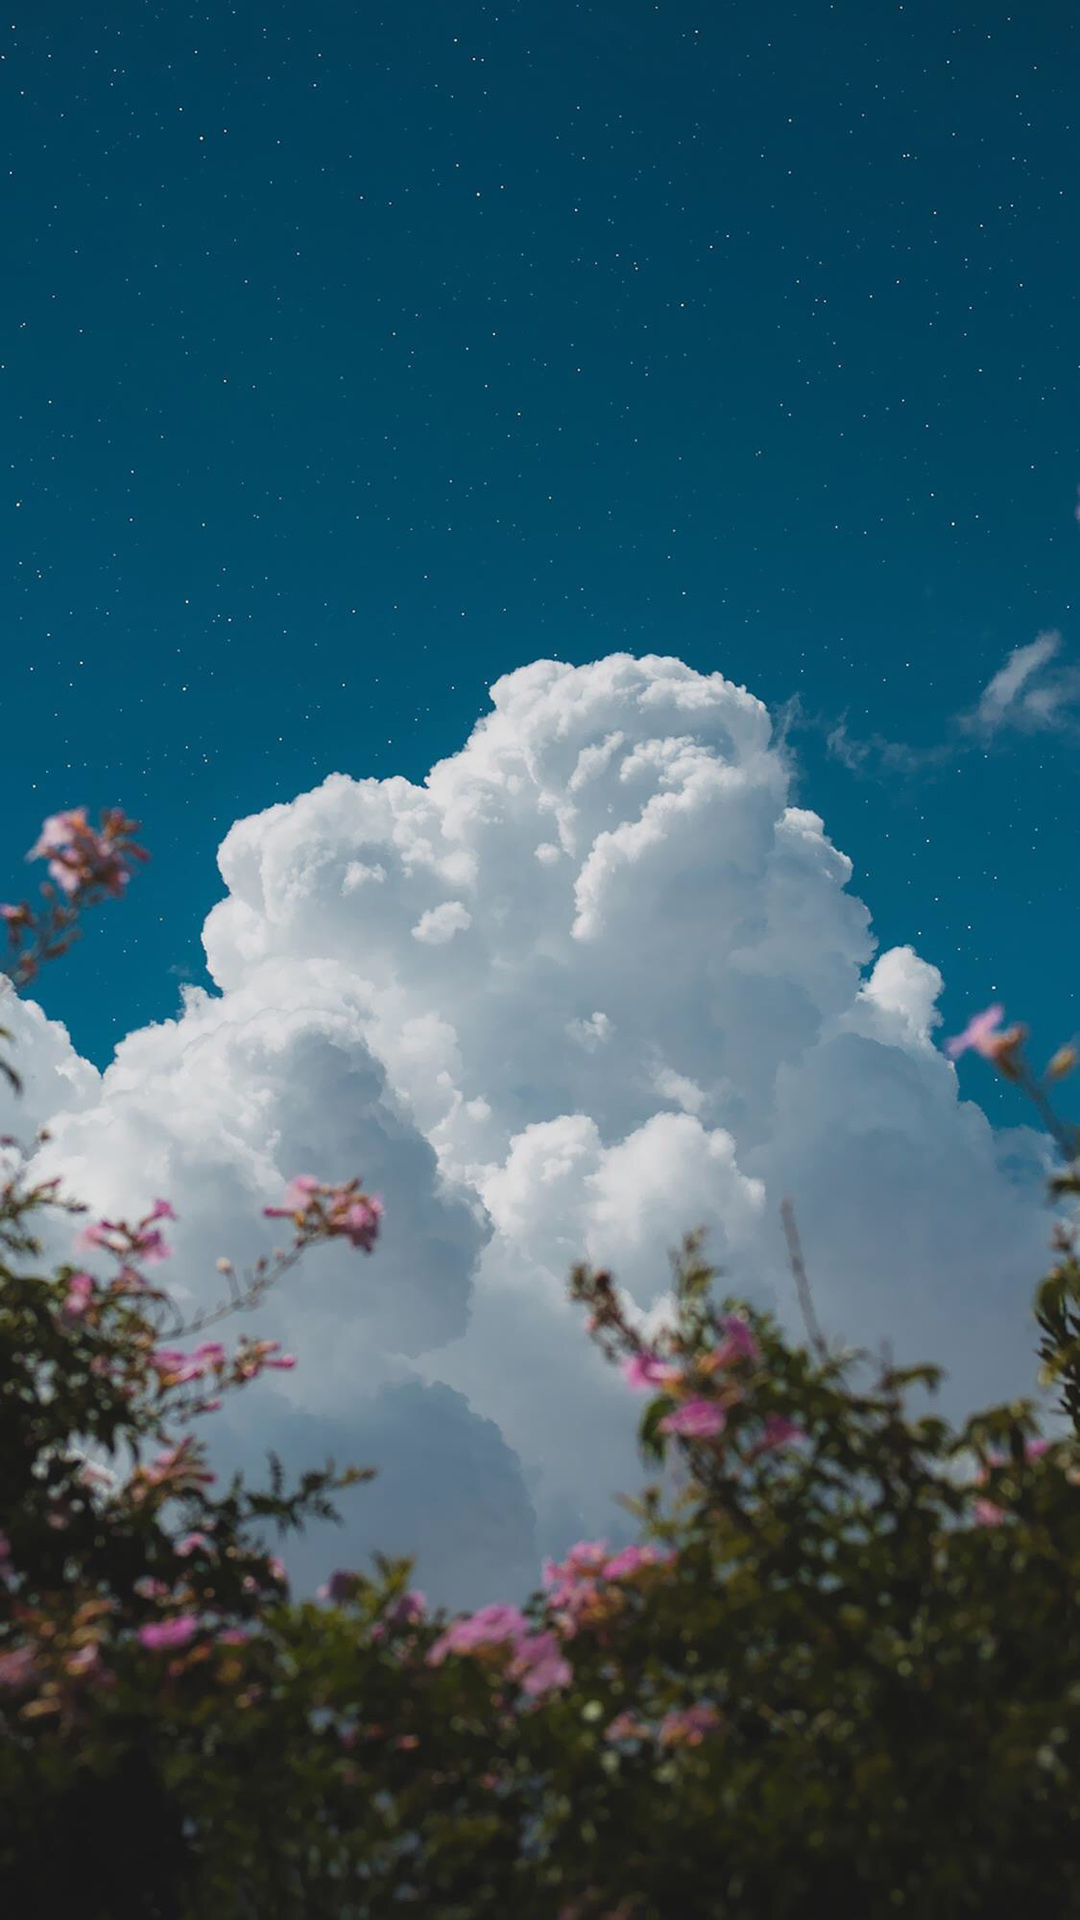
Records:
x=594, y=982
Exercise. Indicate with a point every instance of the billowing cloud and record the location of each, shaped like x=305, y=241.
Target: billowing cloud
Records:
x=594, y=982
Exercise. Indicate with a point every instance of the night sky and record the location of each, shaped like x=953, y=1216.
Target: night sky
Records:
x=355, y=354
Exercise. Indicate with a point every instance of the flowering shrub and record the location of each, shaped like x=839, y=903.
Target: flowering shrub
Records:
x=840, y=1670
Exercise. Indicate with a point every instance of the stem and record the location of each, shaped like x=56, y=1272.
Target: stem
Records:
x=802, y=1281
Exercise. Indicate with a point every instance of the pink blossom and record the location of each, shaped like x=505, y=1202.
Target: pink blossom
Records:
x=738, y=1343
x=488, y=1627
x=78, y=1296
x=7, y=1565
x=148, y=1244
x=176, y=1632
x=161, y=1210
x=632, y=1559
x=277, y=1568
x=177, y=1368
x=190, y=1542
x=234, y=1637
x=411, y=1606
x=585, y=1556
x=539, y=1664
x=979, y=1034
x=17, y=1670
x=179, y=1464
x=625, y=1726
x=986, y=1514
x=778, y=1432
x=297, y=1197
x=86, y=1664
x=687, y=1726
x=95, y=1235
x=93, y=1475
x=357, y=1221
x=80, y=857
x=643, y=1370
x=695, y=1420
x=148, y=1588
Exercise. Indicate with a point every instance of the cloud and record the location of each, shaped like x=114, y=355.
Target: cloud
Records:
x=660, y=1007
x=1026, y=695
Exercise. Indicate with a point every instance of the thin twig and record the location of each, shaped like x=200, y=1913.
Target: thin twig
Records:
x=802, y=1281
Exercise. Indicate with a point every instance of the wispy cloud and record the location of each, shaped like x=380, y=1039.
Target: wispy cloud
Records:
x=1033, y=692
x=1027, y=693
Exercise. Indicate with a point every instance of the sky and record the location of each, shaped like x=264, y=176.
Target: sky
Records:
x=355, y=359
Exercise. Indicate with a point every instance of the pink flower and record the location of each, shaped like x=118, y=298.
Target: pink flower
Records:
x=778, y=1432
x=632, y=1559
x=78, y=1297
x=643, y=1370
x=539, y=1664
x=7, y=1565
x=161, y=1210
x=738, y=1343
x=986, y=1513
x=979, y=1033
x=358, y=1222
x=411, y=1606
x=80, y=857
x=297, y=1198
x=695, y=1420
x=190, y=1542
x=17, y=1670
x=148, y=1244
x=687, y=1726
x=159, y=1634
x=86, y=1664
x=625, y=1726
x=488, y=1627
x=148, y=1588
x=95, y=1235
x=234, y=1637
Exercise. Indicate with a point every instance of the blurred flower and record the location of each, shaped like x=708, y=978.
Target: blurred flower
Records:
x=489, y=1626
x=158, y=1634
x=632, y=1559
x=779, y=1431
x=18, y=1669
x=540, y=1665
x=687, y=1726
x=695, y=1420
x=647, y=1370
x=78, y=1297
x=982, y=1033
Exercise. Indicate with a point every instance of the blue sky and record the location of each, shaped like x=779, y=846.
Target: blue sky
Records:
x=355, y=356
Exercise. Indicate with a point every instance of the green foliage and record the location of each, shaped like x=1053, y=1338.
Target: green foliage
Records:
x=842, y=1675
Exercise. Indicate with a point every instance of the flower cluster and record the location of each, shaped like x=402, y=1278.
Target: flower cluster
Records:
x=322, y=1212
x=584, y=1590
x=85, y=864
x=703, y=1417
x=535, y=1662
